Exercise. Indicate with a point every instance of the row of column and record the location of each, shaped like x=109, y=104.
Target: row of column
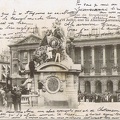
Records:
x=103, y=72
x=103, y=86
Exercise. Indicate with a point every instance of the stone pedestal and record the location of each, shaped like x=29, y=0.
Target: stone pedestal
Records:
x=61, y=84
x=71, y=91
x=40, y=101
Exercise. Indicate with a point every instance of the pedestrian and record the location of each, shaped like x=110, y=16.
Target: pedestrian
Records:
x=40, y=87
x=14, y=98
x=3, y=96
x=9, y=99
x=18, y=100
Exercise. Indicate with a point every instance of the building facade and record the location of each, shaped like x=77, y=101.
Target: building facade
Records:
x=58, y=78
x=4, y=67
x=21, y=53
x=100, y=60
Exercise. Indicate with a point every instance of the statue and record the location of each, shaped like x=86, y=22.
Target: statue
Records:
x=49, y=52
x=53, y=45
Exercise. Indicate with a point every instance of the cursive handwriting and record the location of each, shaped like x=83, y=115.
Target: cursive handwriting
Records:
x=82, y=19
x=107, y=109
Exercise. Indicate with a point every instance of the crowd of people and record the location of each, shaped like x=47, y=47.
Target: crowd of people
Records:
x=10, y=98
x=95, y=97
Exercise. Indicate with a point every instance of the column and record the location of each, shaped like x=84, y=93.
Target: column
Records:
x=93, y=55
x=103, y=70
x=104, y=56
x=72, y=47
x=92, y=70
x=82, y=57
x=114, y=69
x=82, y=86
x=79, y=84
x=82, y=60
x=115, y=85
x=104, y=85
x=93, y=86
x=36, y=78
x=115, y=55
x=28, y=56
x=18, y=54
x=11, y=62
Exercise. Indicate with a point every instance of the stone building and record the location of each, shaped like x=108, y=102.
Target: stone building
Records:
x=21, y=53
x=99, y=58
x=4, y=66
x=59, y=78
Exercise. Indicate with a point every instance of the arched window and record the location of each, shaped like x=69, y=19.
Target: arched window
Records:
x=87, y=87
x=110, y=86
x=98, y=87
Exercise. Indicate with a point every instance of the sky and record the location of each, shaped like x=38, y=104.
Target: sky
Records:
x=8, y=6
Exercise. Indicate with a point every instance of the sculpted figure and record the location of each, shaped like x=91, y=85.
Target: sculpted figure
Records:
x=53, y=45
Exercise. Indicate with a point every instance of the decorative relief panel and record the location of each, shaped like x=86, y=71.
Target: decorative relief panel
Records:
x=53, y=84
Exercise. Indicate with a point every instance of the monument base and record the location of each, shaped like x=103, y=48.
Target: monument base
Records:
x=60, y=83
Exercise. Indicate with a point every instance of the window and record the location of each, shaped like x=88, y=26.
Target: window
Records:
x=15, y=55
x=24, y=57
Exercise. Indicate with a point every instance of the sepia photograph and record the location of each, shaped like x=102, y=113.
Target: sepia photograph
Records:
x=59, y=59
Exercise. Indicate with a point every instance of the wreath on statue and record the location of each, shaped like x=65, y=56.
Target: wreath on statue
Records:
x=40, y=55
x=55, y=43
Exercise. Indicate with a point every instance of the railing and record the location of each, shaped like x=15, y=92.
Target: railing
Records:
x=29, y=100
